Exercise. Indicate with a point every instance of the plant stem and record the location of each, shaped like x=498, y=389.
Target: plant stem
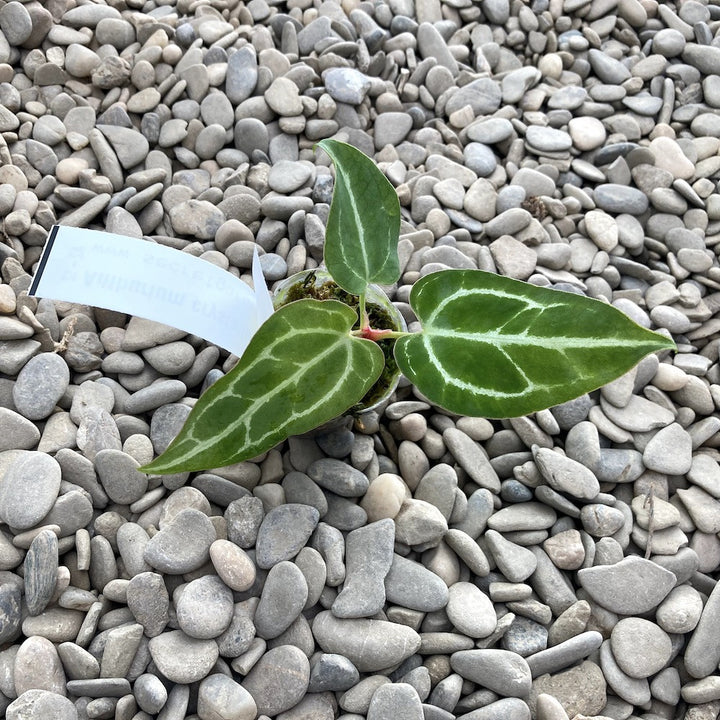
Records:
x=362, y=310
x=376, y=335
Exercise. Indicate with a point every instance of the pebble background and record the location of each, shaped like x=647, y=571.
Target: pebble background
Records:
x=415, y=565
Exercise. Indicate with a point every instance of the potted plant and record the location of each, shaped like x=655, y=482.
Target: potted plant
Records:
x=488, y=345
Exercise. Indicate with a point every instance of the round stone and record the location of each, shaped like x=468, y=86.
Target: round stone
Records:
x=205, y=608
x=640, y=647
x=219, y=696
x=29, y=489
x=470, y=610
x=40, y=384
x=182, y=659
x=183, y=545
x=36, y=703
x=278, y=680
x=233, y=565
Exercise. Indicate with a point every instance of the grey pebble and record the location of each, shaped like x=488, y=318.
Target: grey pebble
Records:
x=472, y=459
x=514, y=561
x=119, y=476
x=152, y=397
x=149, y=602
x=278, y=680
x=501, y=671
x=40, y=384
x=701, y=653
x=371, y=645
x=219, y=695
x=182, y=659
x=29, y=489
x=338, y=477
x=284, y=531
x=205, y=608
x=397, y=699
x=282, y=600
x=40, y=571
x=183, y=544
x=566, y=475
x=150, y=694
x=332, y=672
x=41, y=703
x=630, y=587
x=412, y=585
x=640, y=647
x=470, y=610
x=368, y=559
x=565, y=653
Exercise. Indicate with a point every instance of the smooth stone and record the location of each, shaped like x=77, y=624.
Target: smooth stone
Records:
x=283, y=532
x=119, y=476
x=615, y=198
x=371, y=645
x=470, y=610
x=640, y=647
x=182, y=659
x=38, y=666
x=702, y=654
x=279, y=679
x=37, y=703
x=501, y=671
x=205, y=608
x=680, y=611
x=219, y=696
x=330, y=672
x=600, y=520
x=419, y=523
x=233, y=565
x=283, y=598
x=669, y=451
x=29, y=489
x=183, y=545
x=149, y=601
x=566, y=475
x=368, y=558
x=525, y=636
x=472, y=459
x=515, y=562
x=398, y=700
x=40, y=571
x=346, y=85
x=150, y=693
x=338, y=477
x=565, y=653
x=39, y=385
x=631, y=587
x=522, y=517
x=633, y=690
x=412, y=585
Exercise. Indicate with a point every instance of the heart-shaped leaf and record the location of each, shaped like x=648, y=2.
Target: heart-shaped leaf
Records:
x=495, y=347
x=363, y=226
x=301, y=369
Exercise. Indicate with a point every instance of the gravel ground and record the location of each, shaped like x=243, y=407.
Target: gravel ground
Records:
x=412, y=565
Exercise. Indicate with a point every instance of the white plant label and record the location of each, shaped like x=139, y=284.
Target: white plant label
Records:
x=152, y=281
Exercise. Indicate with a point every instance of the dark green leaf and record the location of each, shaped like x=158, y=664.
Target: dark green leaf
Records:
x=496, y=347
x=301, y=369
x=364, y=222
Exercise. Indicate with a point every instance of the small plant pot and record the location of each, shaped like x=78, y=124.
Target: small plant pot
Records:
x=319, y=285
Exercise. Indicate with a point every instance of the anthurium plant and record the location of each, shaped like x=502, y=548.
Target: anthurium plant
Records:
x=487, y=346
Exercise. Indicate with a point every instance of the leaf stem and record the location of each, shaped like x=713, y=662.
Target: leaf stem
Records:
x=362, y=310
x=376, y=335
